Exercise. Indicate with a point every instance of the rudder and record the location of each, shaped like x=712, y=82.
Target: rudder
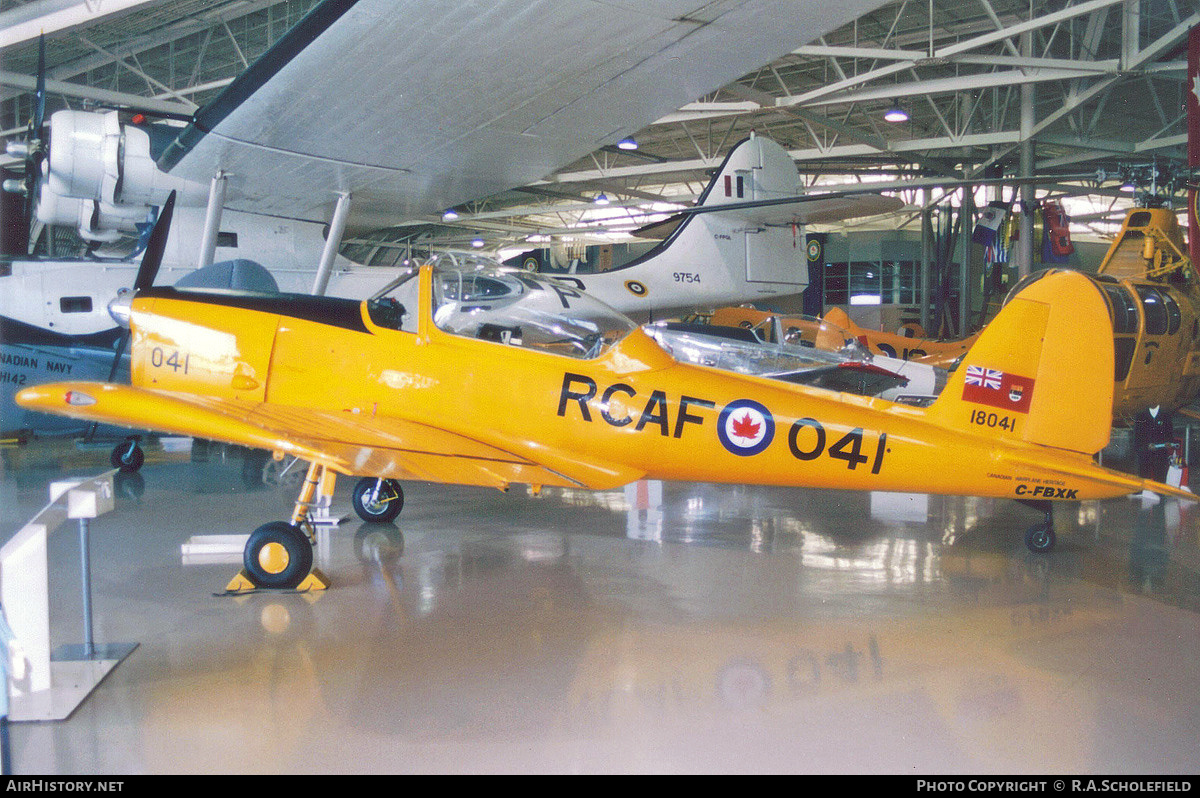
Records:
x=1041, y=371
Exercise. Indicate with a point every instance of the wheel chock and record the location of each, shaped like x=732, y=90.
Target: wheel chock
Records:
x=242, y=583
x=314, y=581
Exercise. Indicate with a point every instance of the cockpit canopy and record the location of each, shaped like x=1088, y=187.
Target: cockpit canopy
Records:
x=476, y=297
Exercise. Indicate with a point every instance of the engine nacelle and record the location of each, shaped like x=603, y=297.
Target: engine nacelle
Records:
x=106, y=165
x=94, y=220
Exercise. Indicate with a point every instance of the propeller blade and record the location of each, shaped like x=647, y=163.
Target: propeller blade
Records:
x=155, y=247
x=39, y=95
x=35, y=151
x=122, y=342
x=151, y=261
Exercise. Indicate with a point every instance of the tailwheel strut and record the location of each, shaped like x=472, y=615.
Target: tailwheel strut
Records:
x=378, y=500
x=279, y=555
x=1040, y=538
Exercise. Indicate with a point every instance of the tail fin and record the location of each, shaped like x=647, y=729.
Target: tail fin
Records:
x=756, y=168
x=1041, y=371
x=759, y=169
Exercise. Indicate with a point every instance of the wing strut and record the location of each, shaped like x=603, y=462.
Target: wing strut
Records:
x=337, y=226
x=212, y=220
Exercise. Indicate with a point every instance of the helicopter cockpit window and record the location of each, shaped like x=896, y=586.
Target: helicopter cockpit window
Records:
x=1155, y=310
x=1174, y=315
x=520, y=309
x=1125, y=314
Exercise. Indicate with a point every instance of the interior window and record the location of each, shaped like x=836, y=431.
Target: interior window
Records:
x=75, y=304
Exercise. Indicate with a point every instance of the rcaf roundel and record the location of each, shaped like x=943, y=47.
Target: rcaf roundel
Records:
x=745, y=427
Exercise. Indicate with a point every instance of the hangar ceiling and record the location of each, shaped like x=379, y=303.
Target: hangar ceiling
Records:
x=1071, y=86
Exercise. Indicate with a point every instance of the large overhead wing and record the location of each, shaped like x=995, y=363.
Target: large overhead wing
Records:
x=414, y=107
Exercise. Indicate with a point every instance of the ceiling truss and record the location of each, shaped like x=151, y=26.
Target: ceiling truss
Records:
x=1103, y=81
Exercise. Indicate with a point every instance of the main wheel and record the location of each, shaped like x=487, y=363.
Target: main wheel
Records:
x=381, y=506
x=278, y=555
x=127, y=456
x=1039, y=538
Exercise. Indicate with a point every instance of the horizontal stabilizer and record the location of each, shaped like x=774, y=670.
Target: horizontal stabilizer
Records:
x=1088, y=470
x=816, y=210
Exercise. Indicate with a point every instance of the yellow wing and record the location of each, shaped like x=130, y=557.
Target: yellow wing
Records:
x=345, y=442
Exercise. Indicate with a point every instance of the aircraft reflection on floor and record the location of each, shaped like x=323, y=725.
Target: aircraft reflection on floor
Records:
x=889, y=538
x=741, y=629
x=557, y=654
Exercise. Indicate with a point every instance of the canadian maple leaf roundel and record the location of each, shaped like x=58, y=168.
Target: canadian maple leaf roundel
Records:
x=745, y=427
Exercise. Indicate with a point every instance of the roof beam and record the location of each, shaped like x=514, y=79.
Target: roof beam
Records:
x=915, y=146
x=946, y=52
x=28, y=83
x=27, y=22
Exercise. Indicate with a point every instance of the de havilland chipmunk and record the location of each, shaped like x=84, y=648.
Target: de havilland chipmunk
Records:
x=474, y=375
x=435, y=363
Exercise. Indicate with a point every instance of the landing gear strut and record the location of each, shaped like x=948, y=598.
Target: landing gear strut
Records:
x=1040, y=538
x=279, y=555
x=379, y=500
x=127, y=456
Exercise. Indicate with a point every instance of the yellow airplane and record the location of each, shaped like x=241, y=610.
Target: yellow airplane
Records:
x=835, y=328
x=472, y=375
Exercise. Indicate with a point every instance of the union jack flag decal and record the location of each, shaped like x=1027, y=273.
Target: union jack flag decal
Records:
x=998, y=389
x=984, y=378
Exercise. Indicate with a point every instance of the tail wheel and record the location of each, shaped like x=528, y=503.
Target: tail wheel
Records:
x=127, y=456
x=1039, y=538
x=278, y=555
x=378, y=500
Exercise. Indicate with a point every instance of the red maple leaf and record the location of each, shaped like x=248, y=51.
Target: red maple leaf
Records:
x=745, y=427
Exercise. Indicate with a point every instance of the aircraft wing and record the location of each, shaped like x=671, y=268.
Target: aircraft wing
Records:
x=414, y=107
x=350, y=444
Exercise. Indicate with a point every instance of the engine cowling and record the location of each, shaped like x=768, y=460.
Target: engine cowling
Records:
x=100, y=176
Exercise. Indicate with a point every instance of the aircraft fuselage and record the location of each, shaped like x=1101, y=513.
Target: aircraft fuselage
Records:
x=382, y=397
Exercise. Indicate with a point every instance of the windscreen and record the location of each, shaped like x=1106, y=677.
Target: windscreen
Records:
x=480, y=299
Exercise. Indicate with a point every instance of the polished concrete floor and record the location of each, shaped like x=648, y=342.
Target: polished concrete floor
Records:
x=723, y=629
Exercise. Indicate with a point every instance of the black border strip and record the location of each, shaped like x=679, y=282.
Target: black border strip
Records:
x=660, y=247
x=334, y=311
x=244, y=85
